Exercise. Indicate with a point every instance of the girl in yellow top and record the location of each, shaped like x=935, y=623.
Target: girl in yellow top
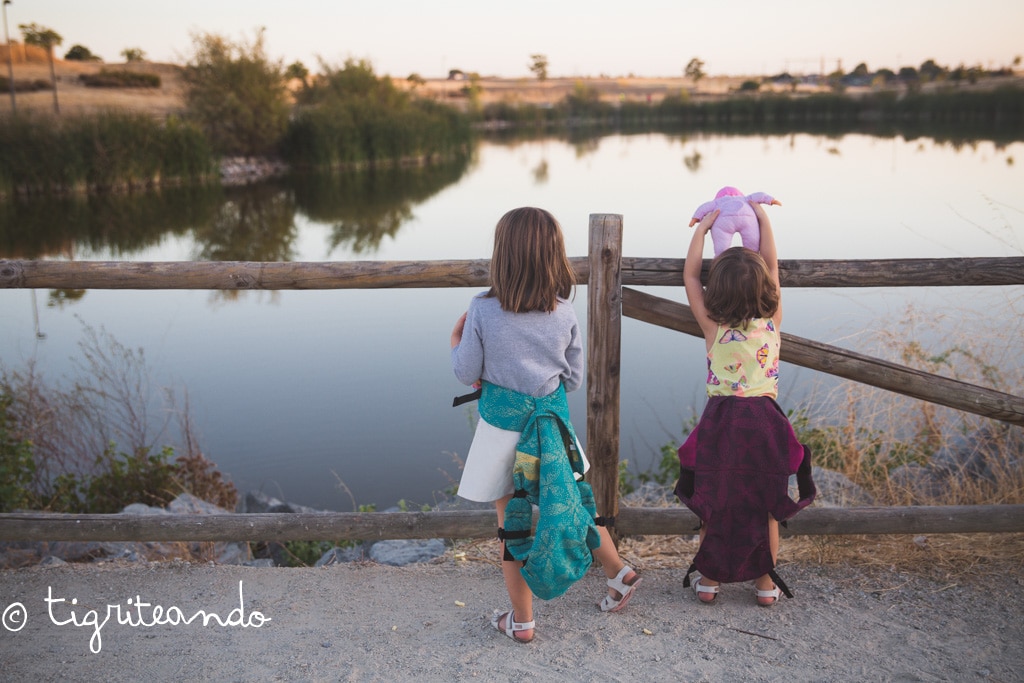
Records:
x=735, y=465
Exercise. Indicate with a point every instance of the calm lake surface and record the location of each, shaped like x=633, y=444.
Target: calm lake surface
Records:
x=305, y=394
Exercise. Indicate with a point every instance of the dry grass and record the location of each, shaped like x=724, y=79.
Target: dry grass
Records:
x=74, y=97
x=943, y=558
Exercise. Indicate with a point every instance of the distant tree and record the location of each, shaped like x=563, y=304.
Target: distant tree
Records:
x=46, y=38
x=416, y=80
x=80, y=53
x=236, y=94
x=297, y=70
x=908, y=74
x=353, y=81
x=133, y=54
x=930, y=71
x=750, y=86
x=885, y=75
x=909, y=77
x=836, y=81
x=860, y=71
x=539, y=66
x=695, y=70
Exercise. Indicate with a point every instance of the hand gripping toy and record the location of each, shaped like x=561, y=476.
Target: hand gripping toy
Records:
x=736, y=217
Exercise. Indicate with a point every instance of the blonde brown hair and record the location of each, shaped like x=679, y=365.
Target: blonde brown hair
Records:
x=529, y=268
x=740, y=287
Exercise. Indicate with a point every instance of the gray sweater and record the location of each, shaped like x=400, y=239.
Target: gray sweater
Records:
x=526, y=352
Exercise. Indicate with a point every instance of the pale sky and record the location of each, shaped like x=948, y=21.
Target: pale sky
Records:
x=579, y=38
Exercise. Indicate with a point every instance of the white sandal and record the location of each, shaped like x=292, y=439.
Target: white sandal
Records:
x=699, y=587
x=511, y=626
x=774, y=594
x=625, y=590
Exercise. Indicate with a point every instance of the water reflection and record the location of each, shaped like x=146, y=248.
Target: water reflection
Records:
x=364, y=207
x=251, y=223
x=115, y=225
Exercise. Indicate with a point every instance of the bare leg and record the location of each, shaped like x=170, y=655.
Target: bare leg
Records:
x=765, y=583
x=705, y=581
x=610, y=561
x=518, y=590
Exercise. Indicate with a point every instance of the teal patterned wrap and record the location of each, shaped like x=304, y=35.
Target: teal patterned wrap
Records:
x=559, y=552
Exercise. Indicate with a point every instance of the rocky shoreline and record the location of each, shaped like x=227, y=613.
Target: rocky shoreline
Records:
x=236, y=171
x=967, y=458
x=834, y=490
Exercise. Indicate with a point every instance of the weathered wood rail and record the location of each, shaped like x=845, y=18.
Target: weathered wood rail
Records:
x=847, y=364
x=226, y=275
x=604, y=271
x=333, y=526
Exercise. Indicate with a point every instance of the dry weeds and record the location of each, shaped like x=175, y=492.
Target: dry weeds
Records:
x=943, y=558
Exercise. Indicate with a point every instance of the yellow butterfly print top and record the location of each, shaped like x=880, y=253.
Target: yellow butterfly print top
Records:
x=745, y=362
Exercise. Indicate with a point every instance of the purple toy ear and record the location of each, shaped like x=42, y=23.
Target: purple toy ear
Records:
x=728, y=191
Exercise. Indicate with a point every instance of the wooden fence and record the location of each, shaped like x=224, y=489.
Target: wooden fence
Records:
x=605, y=272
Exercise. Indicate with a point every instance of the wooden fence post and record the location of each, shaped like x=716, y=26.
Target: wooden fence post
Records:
x=604, y=350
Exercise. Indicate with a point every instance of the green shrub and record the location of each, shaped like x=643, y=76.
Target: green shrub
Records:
x=108, y=78
x=50, y=437
x=350, y=117
x=17, y=468
x=236, y=94
x=119, y=479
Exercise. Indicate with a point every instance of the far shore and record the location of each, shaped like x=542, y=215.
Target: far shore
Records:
x=74, y=97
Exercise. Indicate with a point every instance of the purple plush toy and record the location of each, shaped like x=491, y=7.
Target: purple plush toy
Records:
x=736, y=217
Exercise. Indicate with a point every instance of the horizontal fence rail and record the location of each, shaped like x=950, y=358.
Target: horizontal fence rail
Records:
x=460, y=524
x=847, y=364
x=228, y=275
x=610, y=272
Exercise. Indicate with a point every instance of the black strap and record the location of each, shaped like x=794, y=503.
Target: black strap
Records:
x=605, y=521
x=524, y=533
x=780, y=583
x=686, y=579
x=466, y=398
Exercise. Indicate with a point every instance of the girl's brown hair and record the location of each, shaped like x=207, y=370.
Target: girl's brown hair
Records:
x=529, y=268
x=740, y=287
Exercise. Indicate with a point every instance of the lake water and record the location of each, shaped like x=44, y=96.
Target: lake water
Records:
x=308, y=395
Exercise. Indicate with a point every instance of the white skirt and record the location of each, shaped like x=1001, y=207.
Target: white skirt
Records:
x=487, y=474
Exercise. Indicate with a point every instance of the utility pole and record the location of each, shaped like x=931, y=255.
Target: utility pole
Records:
x=10, y=60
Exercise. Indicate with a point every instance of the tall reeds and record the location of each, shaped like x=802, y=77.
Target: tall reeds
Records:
x=995, y=114
x=350, y=117
x=105, y=151
x=358, y=131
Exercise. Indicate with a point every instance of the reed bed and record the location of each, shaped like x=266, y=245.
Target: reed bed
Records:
x=108, y=151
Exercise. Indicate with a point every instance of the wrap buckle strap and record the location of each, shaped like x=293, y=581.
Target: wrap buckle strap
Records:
x=523, y=533
x=467, y=398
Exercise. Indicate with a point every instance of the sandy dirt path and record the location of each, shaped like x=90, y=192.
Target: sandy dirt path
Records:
x=368, y=622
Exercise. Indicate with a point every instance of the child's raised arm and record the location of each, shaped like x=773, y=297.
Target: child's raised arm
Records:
x=691, y=277
x=769, y=253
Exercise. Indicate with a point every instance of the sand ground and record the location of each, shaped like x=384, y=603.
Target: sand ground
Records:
x=369, y=622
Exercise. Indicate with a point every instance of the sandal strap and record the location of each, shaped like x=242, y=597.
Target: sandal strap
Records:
x=699, y=586
x=617, y=584
x=513, y=625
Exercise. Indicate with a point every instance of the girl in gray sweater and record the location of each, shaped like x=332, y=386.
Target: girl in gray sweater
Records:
x=522, y=334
